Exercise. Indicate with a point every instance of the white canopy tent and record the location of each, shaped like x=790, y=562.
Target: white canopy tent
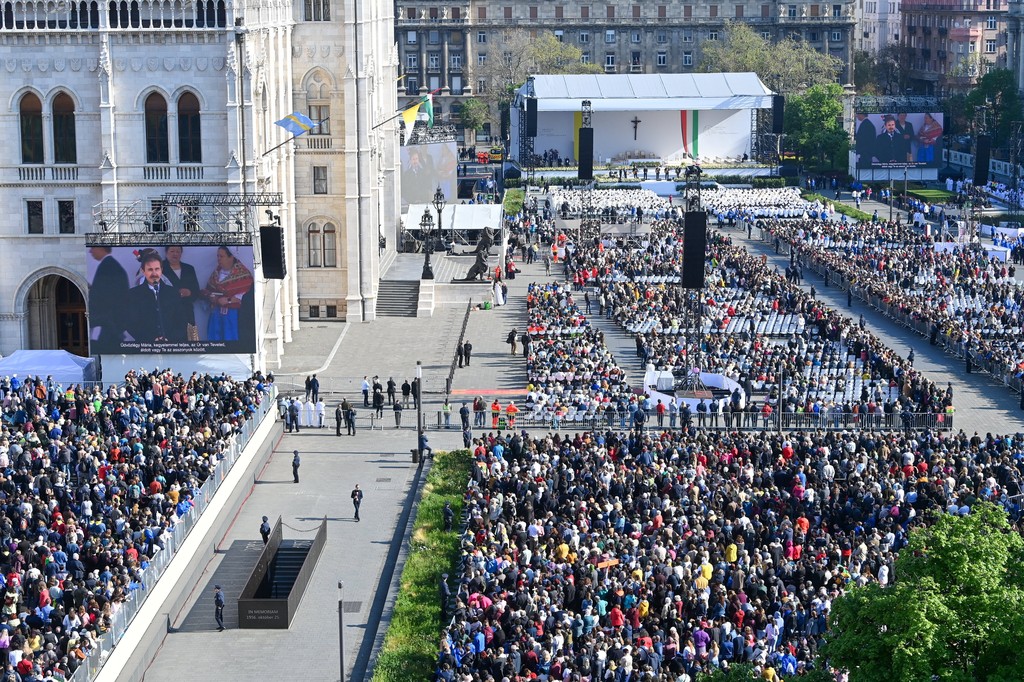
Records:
x=62, y=366
x=460, y=216
x=667, y=117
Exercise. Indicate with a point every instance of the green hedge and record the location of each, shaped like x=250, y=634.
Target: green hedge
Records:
x=514, y=199
x=410, y=647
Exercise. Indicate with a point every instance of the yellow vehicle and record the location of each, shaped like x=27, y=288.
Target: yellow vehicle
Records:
x=496, y=153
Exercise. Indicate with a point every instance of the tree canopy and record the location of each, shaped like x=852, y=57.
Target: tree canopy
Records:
x=954, y=613
x=814, y=123
x=787, y=66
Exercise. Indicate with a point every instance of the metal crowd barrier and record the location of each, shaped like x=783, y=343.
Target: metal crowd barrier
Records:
x=127, y=609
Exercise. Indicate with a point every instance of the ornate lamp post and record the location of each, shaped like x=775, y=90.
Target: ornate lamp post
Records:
x=427, y=230
x=439, y=204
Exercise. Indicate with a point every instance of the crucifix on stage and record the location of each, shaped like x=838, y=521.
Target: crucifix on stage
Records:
x=636, y=122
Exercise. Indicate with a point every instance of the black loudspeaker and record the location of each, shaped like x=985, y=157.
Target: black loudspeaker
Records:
x=272, y=251
x=778, y=114
x=531, y=117
x=695, y=241
x=981, y=159
x=586, y=160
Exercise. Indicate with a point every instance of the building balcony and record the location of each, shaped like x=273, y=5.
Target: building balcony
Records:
x=48, y=17
x=425, y=21
x=455, y=68
x=962, y=33
x=636, y=68
x=40, y=173
x=318, y=142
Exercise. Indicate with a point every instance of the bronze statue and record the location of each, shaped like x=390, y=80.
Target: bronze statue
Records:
x=485, y=242
x=480, y=268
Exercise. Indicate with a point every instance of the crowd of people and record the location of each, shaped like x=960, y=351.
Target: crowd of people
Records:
x=627, y=202
x=775, y=202
x=92, y=482
x=608, y=555
x=968, y=298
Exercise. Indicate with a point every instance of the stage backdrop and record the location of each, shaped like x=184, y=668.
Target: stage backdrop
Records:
x=171, y=299
x=670, y=135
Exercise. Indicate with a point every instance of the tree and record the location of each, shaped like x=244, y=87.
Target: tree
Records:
x=997, y=91
x=474, y=113
x=788, y=66
x=814, y=123
x=523, y=55
x=954, y=613
x=883, y=72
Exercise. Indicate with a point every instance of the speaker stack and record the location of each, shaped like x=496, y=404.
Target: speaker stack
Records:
x=981, y=160
x=531, y=117
x=778, y=114
x=695, y=241
x=586, y=160
x=272, y=251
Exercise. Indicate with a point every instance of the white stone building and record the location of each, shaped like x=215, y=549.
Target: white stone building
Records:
x=107, y=107
x=878, y=24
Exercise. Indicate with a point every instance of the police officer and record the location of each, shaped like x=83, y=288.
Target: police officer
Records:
x=218, y=607
x=295, y=465
x=449, y=516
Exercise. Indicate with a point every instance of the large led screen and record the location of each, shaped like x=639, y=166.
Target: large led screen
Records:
x=171, y=299
x=425, y=167
x=898, y=140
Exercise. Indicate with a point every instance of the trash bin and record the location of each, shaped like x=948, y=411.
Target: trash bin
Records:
x=415, y=455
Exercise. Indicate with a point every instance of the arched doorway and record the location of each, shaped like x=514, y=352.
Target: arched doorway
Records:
x=56, y=316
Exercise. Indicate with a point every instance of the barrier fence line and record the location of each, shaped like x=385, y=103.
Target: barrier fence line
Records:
x=124, y=615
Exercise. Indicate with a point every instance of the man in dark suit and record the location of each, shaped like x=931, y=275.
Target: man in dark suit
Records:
x=154, y=306
x=890, y=147
x=107, y=296
x=864, y=140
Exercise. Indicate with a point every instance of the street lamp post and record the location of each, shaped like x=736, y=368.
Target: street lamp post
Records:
x=427, y=230
x=419, y=408
x=439, y=204
x=341, y=627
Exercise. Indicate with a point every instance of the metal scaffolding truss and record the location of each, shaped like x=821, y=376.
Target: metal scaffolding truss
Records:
x=223, y=199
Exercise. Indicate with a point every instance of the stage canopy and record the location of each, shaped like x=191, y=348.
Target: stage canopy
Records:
x=462, y=217
x=59, y=364
x=652, y=92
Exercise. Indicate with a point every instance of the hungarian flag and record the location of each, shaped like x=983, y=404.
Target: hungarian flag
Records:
x=689, y=125
x=428, y=107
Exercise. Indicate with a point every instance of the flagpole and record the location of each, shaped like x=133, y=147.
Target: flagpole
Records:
x=293, y=137
x=404, y=109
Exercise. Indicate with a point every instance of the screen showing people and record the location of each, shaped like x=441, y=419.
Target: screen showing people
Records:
x=900, y=139
x=425, y=167
x=171, y=299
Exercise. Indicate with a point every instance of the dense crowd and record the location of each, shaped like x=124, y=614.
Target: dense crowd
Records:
x=657, y=556
x=92, y=481
x=570, y=202
x=969, y=298
x=781, y=202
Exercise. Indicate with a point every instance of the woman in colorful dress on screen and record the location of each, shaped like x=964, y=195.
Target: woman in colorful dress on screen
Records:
x=227, y=285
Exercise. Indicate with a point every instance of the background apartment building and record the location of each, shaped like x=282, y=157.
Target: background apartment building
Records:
x=444, y=46
x=949, y=44
x=878, y=24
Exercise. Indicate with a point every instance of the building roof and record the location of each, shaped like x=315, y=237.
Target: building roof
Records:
x=651, y=92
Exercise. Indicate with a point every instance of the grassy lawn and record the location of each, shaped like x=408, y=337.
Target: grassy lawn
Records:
x=932, y=196
x=848, y=211
x=412, y=641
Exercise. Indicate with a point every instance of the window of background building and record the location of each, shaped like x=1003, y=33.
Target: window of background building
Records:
x=662, y=11
x=990, y=46
x=584, y=36
x=533, y=12
x=481, y=12
x=410, y=37
x=812, y=37
x=317, y=10
x=837, y=10
x=434, y=37
x=712, y=35
x=456, y=16
x=609, y=59
x=332, y=311
x=585, y=57
x=412, y=62
x=456, y=61
x=687, y=59
x=34, y=216
x=314, y=311
x=791, y=11
x=662, y=37
x=64, y=143
x=610, y=11
x=662, y=59
x=687, y=35
x=321, y=113
x=156, y=130
x=320, y=180
x=559, y=12
x=481, y=59
x=481, y=86
x=560, y=35
x=433, y=61
x=971, y=48
x=157, y=215
x=315, y=246
x=410, y=13
x=687, y=11
x=609, y=36
x=635, y=37
x=31, y=119
x=815, y=10
x=508, y=12
x=636, y=11
x=412, y=85
x=991, y=23
x=66, y=217
x=481, y=37
x=713, y=11
x=190, y=135
x=766, y=11
x=585, y=12
x=766, y=35
x=837, y=36
x=739, y=11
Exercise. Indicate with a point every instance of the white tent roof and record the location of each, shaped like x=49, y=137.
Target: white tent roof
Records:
x=461, y=216
x=63, y=366
x=652, y=92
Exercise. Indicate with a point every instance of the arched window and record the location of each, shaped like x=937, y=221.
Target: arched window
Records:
x=190, y=139
x=315, y=248
x=65, y=149
x=156, y=130
x=31, y=111
x=330, y=246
